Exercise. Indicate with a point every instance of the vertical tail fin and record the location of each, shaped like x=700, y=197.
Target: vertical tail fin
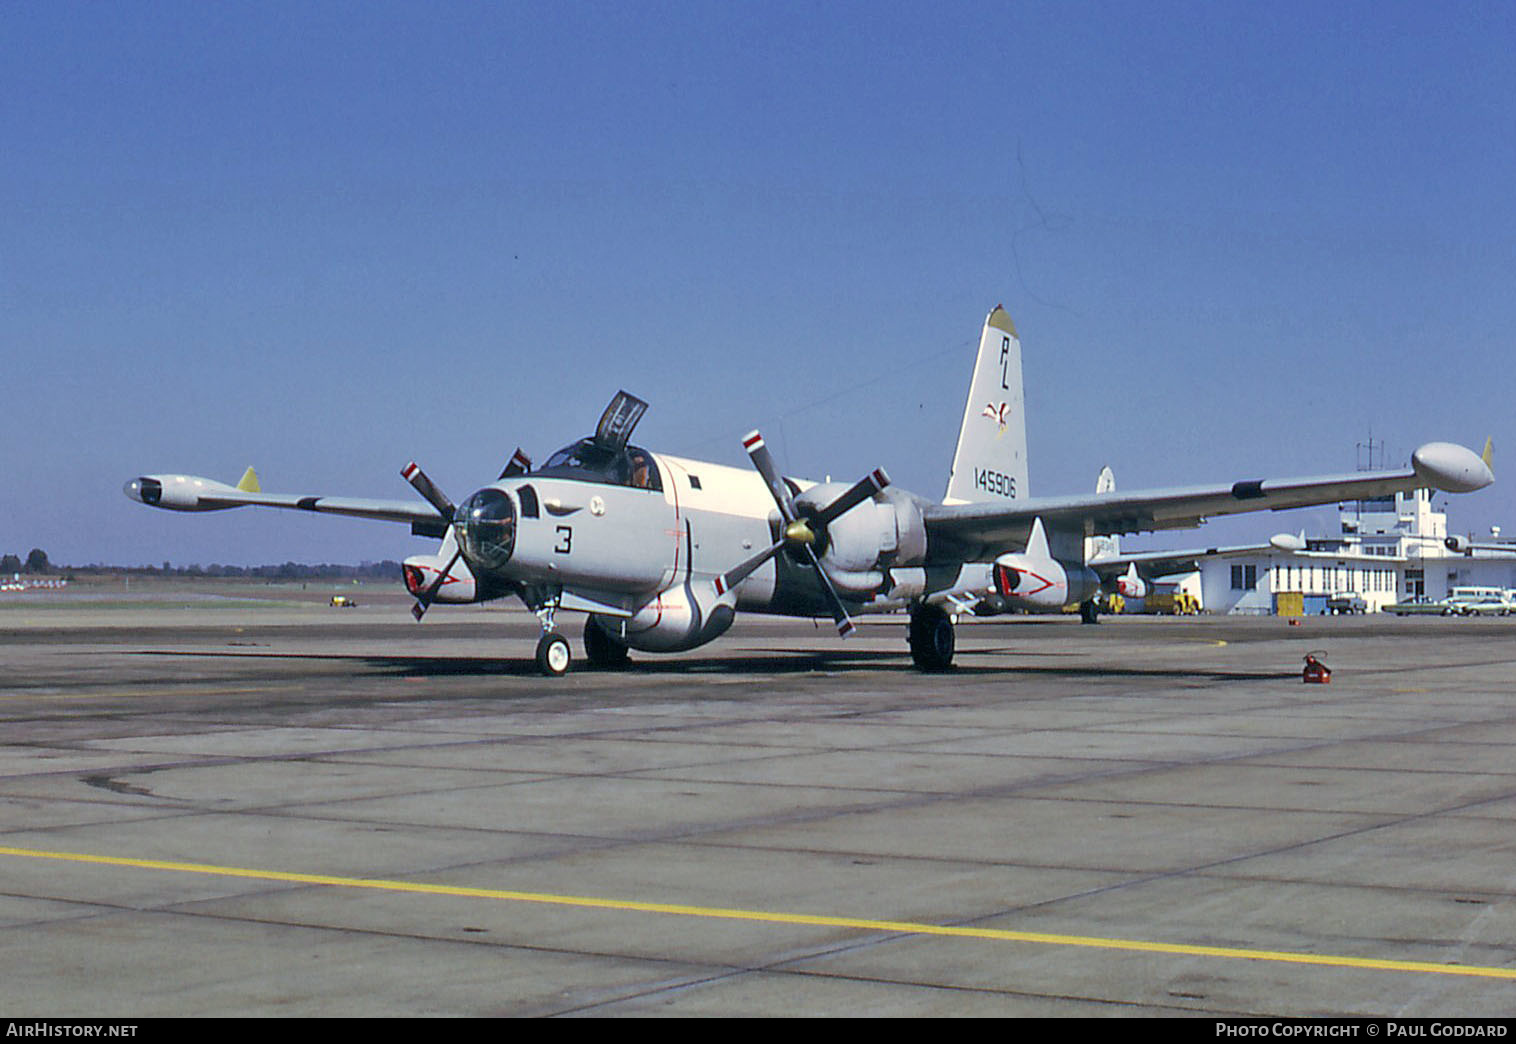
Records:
x=990, y=462
x=1103, y=546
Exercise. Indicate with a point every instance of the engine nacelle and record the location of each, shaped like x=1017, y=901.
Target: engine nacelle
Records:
x=881, y=533
x=1025, y=581
x=680, y=618
x=459, y=586
x=1459, y=545
x=1131, y=585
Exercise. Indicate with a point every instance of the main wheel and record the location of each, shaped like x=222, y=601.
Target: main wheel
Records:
x=600, y=648
x=553, y=655
x=932, y=638
x=1089, y=612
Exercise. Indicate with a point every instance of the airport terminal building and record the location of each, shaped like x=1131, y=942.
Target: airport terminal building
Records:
x=1388, y=550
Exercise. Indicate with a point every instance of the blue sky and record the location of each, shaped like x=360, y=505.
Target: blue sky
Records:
x=325, y=239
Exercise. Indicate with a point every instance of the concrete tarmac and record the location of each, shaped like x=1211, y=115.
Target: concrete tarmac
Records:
x=252, y=804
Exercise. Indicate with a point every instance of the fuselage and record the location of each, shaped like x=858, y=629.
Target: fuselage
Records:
x=620, y=541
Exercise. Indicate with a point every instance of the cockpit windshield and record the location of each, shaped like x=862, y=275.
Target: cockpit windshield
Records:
x=589, y=461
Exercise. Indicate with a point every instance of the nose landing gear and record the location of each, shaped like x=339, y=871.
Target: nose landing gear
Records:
x=553, y=653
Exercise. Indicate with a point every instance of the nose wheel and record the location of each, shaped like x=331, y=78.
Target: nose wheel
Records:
x=553, y=654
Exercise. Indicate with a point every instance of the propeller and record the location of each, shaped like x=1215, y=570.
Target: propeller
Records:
x=804, y=531
x=428, y=490
x=438, y=499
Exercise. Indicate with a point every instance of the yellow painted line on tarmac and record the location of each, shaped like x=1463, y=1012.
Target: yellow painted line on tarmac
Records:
x=775, y=917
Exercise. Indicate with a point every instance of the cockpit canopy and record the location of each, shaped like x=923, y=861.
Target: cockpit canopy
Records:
x=590, y=461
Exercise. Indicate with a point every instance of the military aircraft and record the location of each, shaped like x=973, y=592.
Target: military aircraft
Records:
x=661, y=551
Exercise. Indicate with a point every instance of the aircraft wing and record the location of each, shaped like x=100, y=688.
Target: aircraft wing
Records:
x=1152, y=564
x=978, y=532
x=191, y=493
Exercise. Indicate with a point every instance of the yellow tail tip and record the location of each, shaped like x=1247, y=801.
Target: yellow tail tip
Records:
x=249, y=483
x=1488, y=456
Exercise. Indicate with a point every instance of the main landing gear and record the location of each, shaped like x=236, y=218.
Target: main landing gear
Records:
x=932, y=637
x=601, y=648
x=1089, y=612
x=554, y=656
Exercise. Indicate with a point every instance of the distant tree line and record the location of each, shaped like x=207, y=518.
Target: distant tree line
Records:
x=385, y=570
x=37, y=562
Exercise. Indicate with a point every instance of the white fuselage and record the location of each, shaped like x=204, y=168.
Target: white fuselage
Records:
x=617, y=549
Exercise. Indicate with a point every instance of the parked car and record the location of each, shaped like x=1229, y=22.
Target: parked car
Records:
x=1419, y=607
x=1480, y=601
x=1346, y=603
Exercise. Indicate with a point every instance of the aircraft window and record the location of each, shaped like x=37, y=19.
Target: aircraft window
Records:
x=694, y=482
x=644, y=471
x=528, y=498
x=589, y=462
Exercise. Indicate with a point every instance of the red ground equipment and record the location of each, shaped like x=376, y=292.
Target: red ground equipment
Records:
x=1316, y=672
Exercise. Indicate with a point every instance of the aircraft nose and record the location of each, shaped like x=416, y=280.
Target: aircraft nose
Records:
x=486, y=525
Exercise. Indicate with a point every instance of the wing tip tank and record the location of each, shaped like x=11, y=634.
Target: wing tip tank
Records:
x=1452, y=468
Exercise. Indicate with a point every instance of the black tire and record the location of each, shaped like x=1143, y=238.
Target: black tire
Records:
x=1089, y=612
x=601, y=649
x=932, y=638
x=554, y=655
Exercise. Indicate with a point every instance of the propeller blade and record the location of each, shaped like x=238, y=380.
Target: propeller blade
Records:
x=424, y=600
x=740, y=572
x=839, y=611
x=801, y=532
x=519, y=464
x=758, y=452
x=860, y=491
x=428, y=489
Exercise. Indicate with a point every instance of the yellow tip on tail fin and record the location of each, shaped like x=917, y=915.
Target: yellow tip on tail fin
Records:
x=1488, y=456
x=249, y=483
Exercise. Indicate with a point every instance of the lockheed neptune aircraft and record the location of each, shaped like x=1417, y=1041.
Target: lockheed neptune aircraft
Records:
x=661, y=551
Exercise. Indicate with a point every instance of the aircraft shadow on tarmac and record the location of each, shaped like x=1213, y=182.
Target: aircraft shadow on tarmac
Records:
x=756, y=662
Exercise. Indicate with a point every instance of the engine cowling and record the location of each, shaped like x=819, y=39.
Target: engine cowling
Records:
x=459, y=587
x=859, y=545
x=1024, y=581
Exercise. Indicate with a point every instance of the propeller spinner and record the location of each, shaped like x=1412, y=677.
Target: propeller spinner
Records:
x=802, y=532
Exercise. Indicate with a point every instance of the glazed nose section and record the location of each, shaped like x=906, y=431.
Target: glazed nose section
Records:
x=144, y=490
x=486, y=524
